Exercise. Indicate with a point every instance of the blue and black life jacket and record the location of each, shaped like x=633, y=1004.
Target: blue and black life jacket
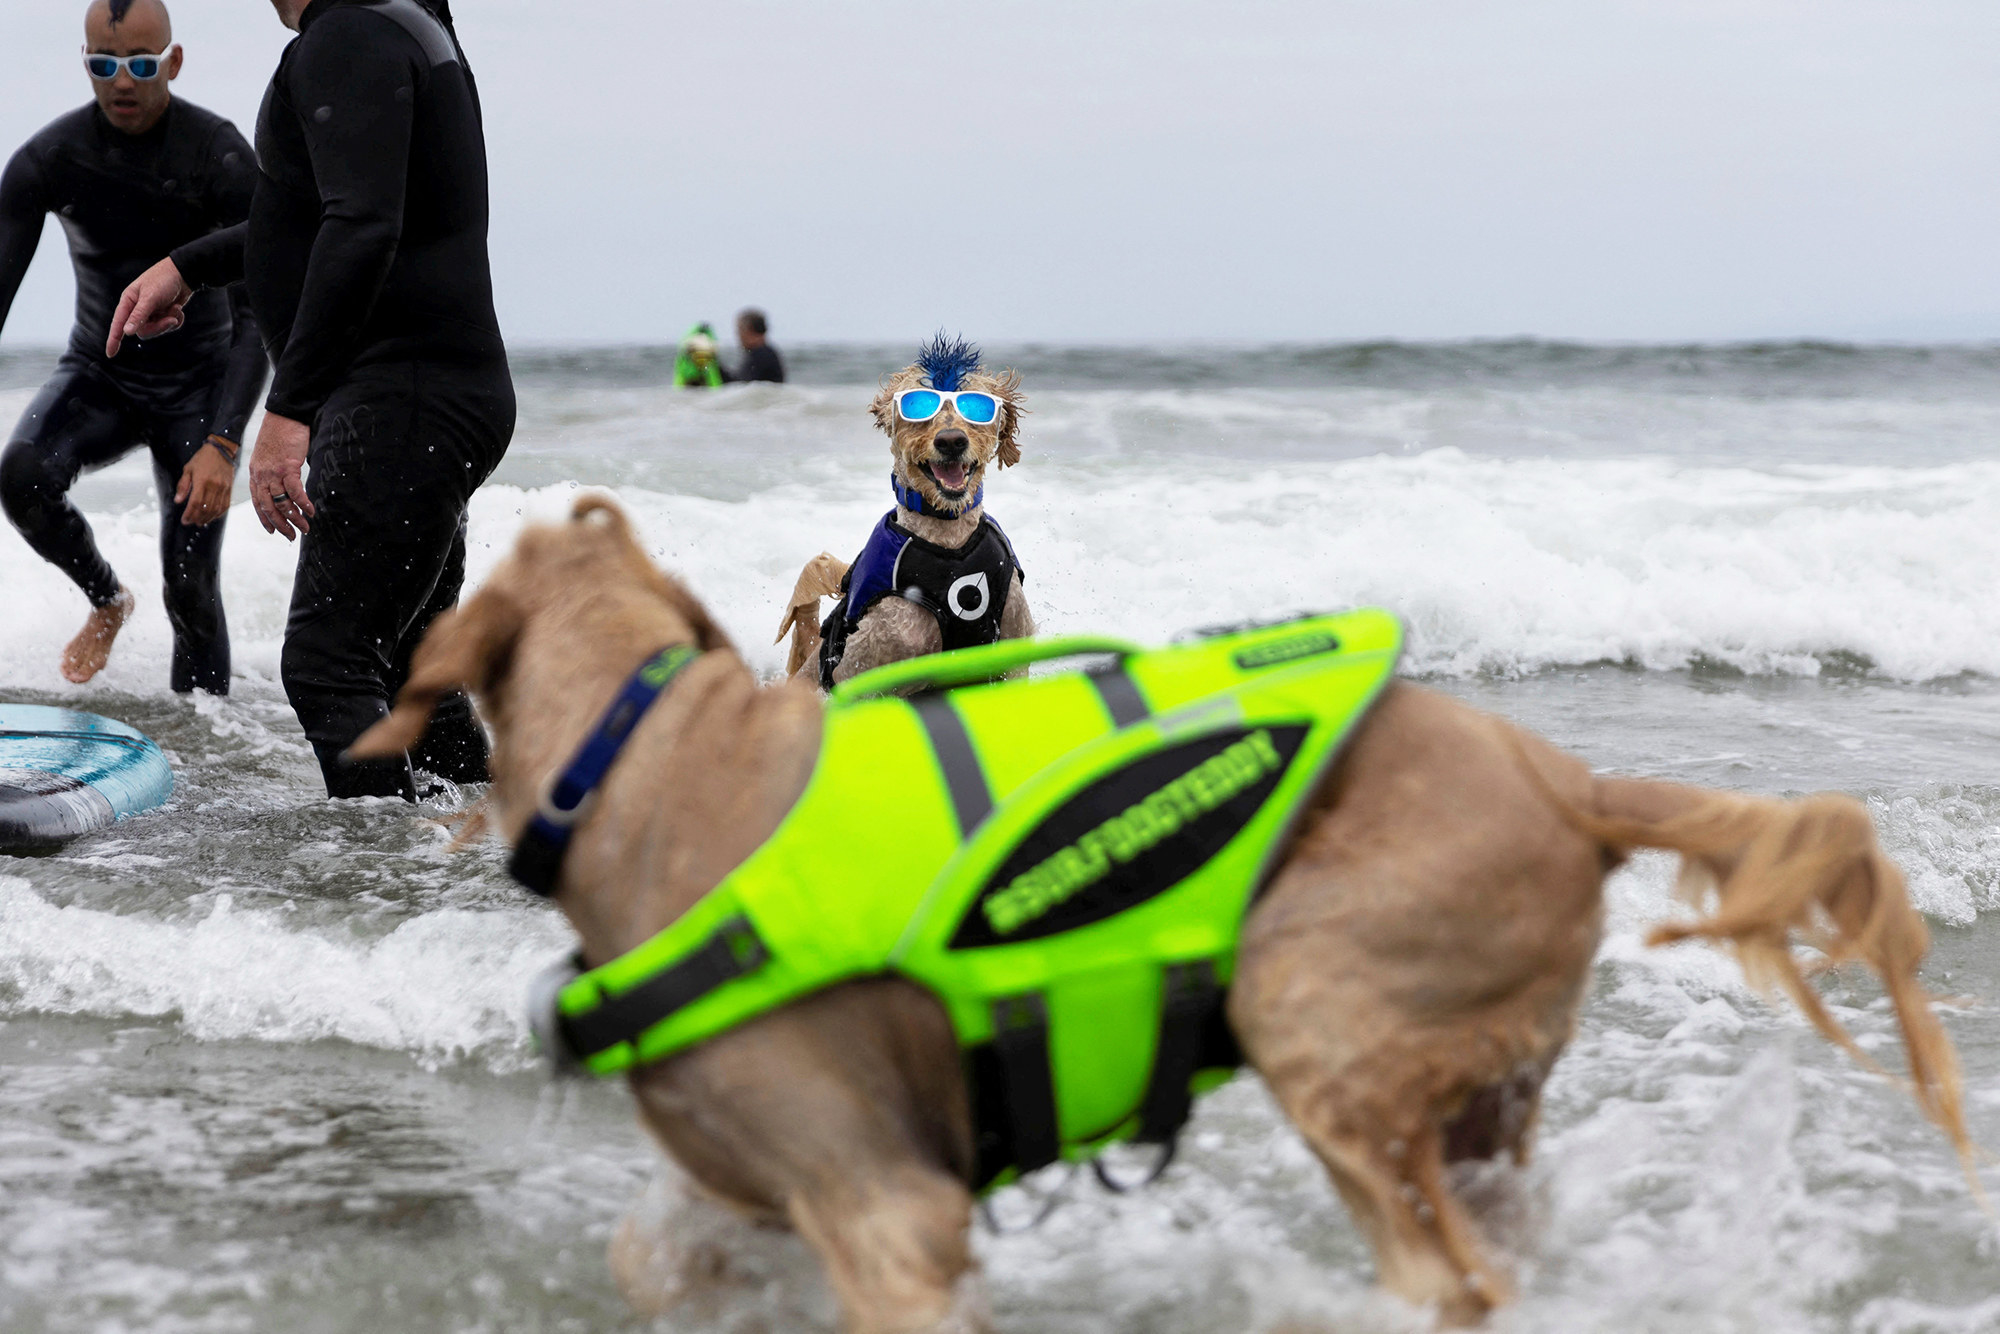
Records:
x=964, y=588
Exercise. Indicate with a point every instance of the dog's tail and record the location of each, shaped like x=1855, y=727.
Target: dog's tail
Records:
x=819, y=579
x=1763, y=874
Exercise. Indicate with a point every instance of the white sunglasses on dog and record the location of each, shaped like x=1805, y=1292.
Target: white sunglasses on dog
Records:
x=972, y=405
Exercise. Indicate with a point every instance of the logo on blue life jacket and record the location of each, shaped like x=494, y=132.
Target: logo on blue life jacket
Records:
x=1130, y=836
x=968, y=595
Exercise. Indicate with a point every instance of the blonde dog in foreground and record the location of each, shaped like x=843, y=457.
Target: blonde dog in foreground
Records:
x=1403, y=986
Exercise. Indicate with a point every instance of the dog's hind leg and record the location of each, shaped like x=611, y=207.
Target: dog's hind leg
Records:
x=1390, y=1172
x=1499, y=1118
x=1411, y=973
x=1384, y=1098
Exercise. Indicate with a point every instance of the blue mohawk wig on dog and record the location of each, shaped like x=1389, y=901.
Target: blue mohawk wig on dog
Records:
x=946, y=362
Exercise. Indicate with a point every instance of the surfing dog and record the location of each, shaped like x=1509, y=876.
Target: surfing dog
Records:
x=1403, y=985
x=937, y=572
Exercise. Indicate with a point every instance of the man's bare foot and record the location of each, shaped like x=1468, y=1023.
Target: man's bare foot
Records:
x=91, y=649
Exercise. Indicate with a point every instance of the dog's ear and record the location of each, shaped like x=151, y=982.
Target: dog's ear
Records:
x=468, y=647
x=596, y=502
x=883, y=408
x=1009, y=392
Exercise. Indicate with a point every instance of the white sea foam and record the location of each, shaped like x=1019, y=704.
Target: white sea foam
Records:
x=1497, y=564
x=445, y=984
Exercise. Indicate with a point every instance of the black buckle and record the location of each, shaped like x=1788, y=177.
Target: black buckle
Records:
x=731, y=951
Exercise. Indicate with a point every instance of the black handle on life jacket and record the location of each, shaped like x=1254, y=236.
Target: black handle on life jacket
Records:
x=973, y=666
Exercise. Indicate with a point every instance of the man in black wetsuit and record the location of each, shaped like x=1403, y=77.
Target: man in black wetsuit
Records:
x=136, y=172
x=365, y=260
x=760, y=359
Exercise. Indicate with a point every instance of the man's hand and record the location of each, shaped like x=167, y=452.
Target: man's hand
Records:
x=277, y=476
x=152, y=305
x=205, y=485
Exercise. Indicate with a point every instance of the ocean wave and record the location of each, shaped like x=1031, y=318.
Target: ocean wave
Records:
x=1948, y=843
x=446, y=985
x=1497, y=565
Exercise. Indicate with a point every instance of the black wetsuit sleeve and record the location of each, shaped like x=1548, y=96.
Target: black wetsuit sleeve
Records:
x=230, y=167
x=243, y=377
x=354, y=89
x=215, y=260
x=232, y=181
x=23, y=204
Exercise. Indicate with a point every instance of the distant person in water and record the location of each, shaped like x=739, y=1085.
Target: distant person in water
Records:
x=698, y=362
x=131, y=176
x=760, y=359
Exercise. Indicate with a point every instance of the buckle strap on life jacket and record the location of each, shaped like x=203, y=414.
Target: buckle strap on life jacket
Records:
x=1194, y=1036
x=1192, y=999
x=1021, y=1039
x=732, y=951
x=538, y=857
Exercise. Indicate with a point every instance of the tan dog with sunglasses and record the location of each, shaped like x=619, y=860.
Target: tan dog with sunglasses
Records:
x=937, y=573
x=1403, y=984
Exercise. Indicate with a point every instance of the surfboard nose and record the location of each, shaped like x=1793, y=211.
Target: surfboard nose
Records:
x=64, y=773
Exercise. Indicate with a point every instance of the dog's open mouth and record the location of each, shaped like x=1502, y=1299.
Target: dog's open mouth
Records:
x=951, y=477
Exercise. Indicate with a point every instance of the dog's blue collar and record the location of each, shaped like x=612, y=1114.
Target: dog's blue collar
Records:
x=913, y=500
x=538, y=857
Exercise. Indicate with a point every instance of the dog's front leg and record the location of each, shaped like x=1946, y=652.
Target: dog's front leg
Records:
x=893, y=629
x=680, y=1251
x=843, y=1114
x=1016, y=621
x=896, y=1247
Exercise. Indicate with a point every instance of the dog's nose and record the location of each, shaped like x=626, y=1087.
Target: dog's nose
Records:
x=950, y=444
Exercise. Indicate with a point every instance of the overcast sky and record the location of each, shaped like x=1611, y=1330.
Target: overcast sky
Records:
x=1089, y=170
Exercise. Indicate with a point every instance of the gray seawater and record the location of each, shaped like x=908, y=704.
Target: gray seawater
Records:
x=261, y=1060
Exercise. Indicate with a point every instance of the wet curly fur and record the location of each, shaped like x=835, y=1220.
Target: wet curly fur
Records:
x=895, y=629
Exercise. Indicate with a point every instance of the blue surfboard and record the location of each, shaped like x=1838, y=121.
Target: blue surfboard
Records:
x=64, y=773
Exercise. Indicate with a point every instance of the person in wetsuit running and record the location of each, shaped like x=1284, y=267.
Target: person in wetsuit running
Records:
x=135, y=172
x=365, y=260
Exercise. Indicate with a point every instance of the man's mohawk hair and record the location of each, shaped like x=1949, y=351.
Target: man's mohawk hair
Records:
x=946, y=361
x=119, y=9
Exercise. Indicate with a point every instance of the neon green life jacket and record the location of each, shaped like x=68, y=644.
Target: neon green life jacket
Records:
x=1065, y=861
x=690, y=373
